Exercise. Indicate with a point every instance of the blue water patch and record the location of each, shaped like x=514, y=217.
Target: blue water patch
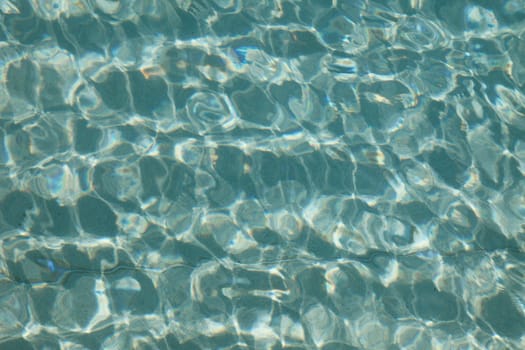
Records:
x=241, y=53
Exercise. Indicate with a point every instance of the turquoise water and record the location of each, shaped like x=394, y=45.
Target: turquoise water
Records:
x=220, y=174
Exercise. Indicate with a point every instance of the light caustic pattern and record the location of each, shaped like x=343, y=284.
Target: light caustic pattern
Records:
x=262, y=174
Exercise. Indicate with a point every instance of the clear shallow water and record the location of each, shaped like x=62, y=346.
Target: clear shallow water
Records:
x=256, y=175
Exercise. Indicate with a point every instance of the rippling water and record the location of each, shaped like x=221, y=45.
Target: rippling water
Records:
x=277, y=174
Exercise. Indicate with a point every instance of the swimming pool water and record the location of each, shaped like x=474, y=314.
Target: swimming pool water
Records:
x=277, y=174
